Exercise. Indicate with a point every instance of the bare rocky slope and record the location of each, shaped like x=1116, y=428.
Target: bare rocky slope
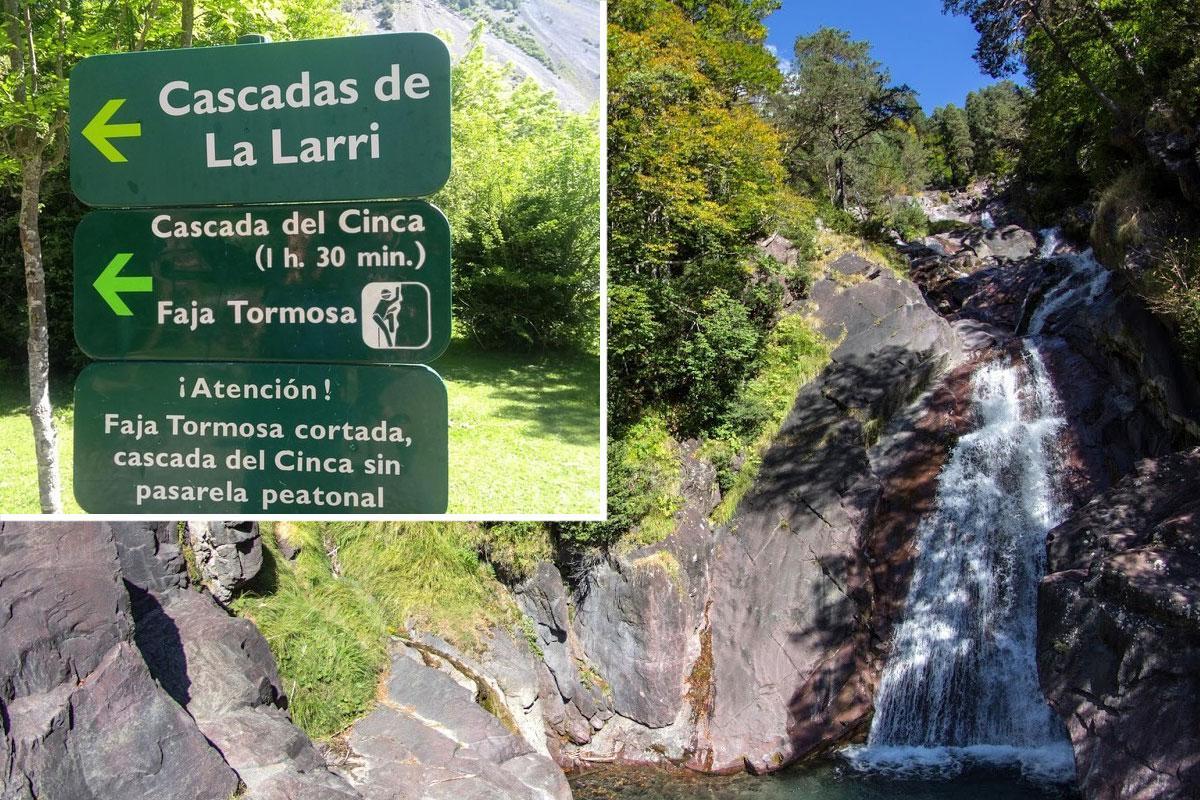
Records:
x=557, y=43
x=120, y=681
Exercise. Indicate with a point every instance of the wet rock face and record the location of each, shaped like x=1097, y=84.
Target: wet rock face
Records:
x=83, y=717
x=1119, y=633
x=791, y=588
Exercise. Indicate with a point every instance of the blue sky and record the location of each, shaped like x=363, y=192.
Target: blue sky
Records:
x=922, y=47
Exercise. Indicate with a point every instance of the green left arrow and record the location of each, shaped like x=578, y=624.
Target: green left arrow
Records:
x=98, y=130
x=111, y=282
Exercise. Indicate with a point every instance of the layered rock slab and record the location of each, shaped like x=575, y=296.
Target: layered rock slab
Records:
x=428, y=739
x=83, y=717
x=791, y=588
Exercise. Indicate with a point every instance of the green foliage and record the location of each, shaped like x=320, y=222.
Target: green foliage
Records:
x=996, y=119
x=1174, y=278
x=694, y=174
x=794, y=353
x=513, y=549
x=713, y=359
x=326, y=633
x=796, y=221
x=327, y=614
x=1105, y=75
x=524, y=198
x=428, y=575
x=907, y=218
x=61, y=213
x=643, y=487
x=950, y=148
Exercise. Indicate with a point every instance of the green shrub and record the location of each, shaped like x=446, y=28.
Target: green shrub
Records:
x=643, y=489
x=907, y=218
x=1175, y=278
x=523, y=199
x=513, y=549
x=794, y=353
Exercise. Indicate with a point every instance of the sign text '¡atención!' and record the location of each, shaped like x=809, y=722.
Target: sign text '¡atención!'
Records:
x=177, y=98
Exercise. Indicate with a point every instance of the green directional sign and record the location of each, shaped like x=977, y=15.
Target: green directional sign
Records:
x=362, y=282
x=353, y=118
x=260, y=439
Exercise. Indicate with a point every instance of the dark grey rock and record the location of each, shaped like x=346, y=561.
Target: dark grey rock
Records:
x=428, y=738
x=150, y=555
x=84, y=719
x=1119, y=633
x=220, y=668
x=1010, y=243
x=634, y=625
x=544, y=599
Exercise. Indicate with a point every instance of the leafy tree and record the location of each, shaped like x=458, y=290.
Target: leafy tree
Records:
x=525, y=199
x=1117, y=78
x=835, y=99
x=996, y=119
x=951, y=147
x=42, y=42
x=694, y=173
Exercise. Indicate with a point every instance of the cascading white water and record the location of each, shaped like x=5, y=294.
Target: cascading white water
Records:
x=1086, y=278
x=961, y=683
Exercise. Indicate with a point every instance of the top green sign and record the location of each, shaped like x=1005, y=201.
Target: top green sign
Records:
x=356, y=118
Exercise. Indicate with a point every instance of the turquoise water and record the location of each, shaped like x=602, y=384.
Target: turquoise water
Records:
x=828, y=781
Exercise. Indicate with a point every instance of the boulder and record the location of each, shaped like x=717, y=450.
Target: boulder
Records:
x=83, y=717
x=1119, y=633
x=1010, y=243
x=228, y=555
x=220, y=668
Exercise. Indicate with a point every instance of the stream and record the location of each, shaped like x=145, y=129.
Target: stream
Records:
x=821, y=781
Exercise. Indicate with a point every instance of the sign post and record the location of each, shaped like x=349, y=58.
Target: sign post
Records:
x=220, y=438
x=337, y=275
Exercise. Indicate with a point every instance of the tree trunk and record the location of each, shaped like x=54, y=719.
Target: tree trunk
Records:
x=45, y=439
x=839, y=196
x=1065, y=54
x=189, y=22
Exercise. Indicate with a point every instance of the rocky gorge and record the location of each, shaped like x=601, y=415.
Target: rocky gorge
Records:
x=744, y=646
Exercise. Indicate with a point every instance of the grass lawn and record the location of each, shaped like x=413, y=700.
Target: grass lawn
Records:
x=18, y=465
x=524, y=434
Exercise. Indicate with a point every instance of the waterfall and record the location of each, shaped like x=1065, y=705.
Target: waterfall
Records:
x=1086, y=278
x=961, y=683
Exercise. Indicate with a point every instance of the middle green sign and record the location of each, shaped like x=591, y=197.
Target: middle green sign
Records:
x=361, y=282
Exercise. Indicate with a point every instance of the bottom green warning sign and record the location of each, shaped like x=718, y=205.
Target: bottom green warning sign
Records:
x=260, y=439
